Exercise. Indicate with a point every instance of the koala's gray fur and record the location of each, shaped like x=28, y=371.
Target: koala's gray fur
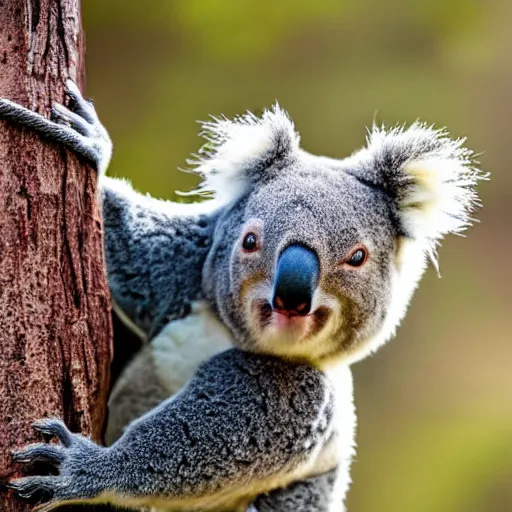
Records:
x=152, y=251
x=181, y=276
x=303, y=495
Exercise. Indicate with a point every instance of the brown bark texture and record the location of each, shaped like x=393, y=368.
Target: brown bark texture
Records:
x=55, y=324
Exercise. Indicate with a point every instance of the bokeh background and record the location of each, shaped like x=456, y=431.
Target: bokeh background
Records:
x=435, y=405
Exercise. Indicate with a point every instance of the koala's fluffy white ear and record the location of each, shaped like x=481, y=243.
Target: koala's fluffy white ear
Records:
x=431, y=177
x=241, y=151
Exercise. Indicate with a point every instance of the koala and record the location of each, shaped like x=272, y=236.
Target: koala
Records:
x=256, y=302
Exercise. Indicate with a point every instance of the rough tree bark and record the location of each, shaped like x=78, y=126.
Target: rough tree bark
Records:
x=55, y=326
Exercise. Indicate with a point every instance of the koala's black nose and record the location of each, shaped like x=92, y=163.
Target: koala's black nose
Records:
x=297, y=274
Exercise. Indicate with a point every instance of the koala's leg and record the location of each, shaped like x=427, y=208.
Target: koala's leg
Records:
x=154, y=249
x=245, y=424
x=316, y=494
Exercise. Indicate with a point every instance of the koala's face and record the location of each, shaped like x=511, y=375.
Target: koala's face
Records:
x=317, y=258
x=304, y=264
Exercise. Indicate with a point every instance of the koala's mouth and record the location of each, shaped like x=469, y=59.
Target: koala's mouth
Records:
x=289, y=325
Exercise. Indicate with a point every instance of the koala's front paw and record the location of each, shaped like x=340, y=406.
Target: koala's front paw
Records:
x=76, y=126
x=80, y=116
x=75, y=458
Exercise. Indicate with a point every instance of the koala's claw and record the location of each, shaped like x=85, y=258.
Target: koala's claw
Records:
x=79, y=105
x=43, y=452
x=76, y=126
x=40, y=452
x=63, y=115
x=54, y=428
x=31, y=486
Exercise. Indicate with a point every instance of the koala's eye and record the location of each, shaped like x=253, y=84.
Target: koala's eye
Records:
x=357, y=258
x=250, y=242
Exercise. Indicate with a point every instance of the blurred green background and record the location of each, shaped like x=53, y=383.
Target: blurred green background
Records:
x=435, y=405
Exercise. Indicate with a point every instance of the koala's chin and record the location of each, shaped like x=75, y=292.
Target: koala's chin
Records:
x=310, y=336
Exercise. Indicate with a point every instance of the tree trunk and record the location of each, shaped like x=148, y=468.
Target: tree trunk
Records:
x=55, y=324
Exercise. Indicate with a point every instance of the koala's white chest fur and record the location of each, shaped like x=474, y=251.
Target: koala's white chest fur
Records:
x=184, y=344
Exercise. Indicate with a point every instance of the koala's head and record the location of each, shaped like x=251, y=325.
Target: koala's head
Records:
x=317, y=258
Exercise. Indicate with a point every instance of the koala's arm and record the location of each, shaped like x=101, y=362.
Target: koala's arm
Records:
x=243, y=425
x=154, y=249
x=155, y=252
